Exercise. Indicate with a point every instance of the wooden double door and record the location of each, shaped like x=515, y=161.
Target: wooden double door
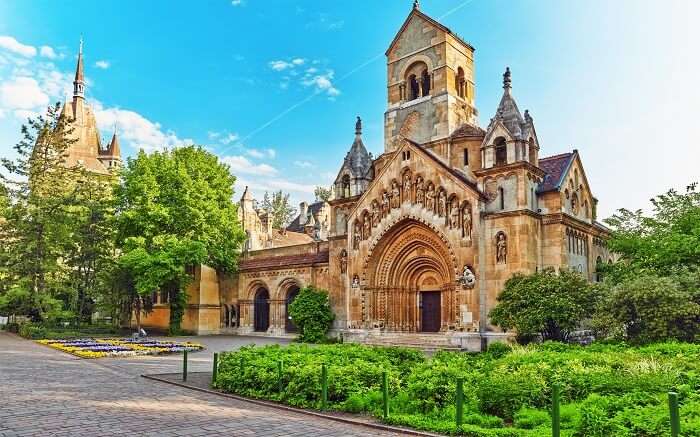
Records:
x=430, y=310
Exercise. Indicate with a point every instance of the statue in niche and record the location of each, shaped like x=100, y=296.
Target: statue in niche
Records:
x=357, y=235
x=430, y=198
x=420, y=191
x=343, y=261
x=407, y=187
x=501, y=248
x=385, y=204
x=376, y=214
x=367, y=226
x=395, y=195
x=355, y=281
x=467, y=222
x=468, y=279
x=453, y=219
x=442, y=203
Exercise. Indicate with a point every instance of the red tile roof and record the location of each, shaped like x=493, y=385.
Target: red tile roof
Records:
x=284, y=261
x=467, y=130
x=554, y=167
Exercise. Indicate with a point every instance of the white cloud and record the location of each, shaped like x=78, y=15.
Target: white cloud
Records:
x=102, y=64
x=260, y=154
x=298, y=61
x=23, y=93
x=322, y=83
x=242, y=165
x=303, y=164
x=213, y=135
x=237, y=2
x=48, y=52
x=280, y=65
x=11, y=44
x=229, y=138
x=136, y=130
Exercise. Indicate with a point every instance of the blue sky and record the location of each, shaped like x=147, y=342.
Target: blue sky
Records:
x=273, y=87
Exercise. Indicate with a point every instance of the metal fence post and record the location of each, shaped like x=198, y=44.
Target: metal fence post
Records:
x=280, y=388
x=675, y=416
x=555, y=411
x=385, y=393
x=324, y=386
x=460, y=402
x=184, y=366
x=215, y=368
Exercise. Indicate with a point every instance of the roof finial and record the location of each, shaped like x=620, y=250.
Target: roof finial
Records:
x=416, y=4
x=80, y=51
x=358, y=126
x=506, y=79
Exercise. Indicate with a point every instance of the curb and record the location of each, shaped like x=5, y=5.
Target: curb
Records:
x=379, y=426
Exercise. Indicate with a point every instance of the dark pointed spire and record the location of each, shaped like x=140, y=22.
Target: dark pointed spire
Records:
x=79, y=82
x=358, y=126
x=506, y=79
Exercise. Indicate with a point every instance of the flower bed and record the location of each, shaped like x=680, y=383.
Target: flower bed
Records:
x=119, y=347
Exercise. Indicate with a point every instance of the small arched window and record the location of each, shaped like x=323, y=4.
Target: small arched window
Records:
x=460, y=83
x=345, y=186
x=502, y=197
x=501, y=151
x=413, y=87
x=425, y=83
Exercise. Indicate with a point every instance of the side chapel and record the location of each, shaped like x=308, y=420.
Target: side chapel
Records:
x=417, y=243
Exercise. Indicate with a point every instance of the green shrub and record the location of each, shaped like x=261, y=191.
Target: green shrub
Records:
x=312, y=314
x=529, y=418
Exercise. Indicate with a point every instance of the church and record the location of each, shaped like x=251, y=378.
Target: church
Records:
x=415, y=244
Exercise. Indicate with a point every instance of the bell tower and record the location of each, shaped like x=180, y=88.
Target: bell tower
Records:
x=430, y=82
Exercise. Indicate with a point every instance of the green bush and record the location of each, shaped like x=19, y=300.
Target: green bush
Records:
x=311, y=313
x=607, y=390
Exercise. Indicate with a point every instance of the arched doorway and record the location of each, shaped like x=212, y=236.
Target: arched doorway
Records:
x=292, y=293
x=410, y=280
x=261, y=310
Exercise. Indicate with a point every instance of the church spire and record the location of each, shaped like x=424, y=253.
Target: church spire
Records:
x=79, y=82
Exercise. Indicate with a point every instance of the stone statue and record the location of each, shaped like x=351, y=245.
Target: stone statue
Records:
x=367, y=226
x=442, y=203
x=420, y=191
x=355, y=281
x=376, y=214
x=468, y=279
x=430, y=198
x=357, y=235
x=467, y=222
x=407, y=187
x=454, y=214
x=501, y=248
x=343, y=261
x=385, y=204
x=395, y=195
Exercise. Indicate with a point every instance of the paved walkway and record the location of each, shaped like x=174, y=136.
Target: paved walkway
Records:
x=47, y=392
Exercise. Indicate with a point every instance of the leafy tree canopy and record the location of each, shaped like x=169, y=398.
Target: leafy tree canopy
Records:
x=322, y=194
x=312, y=314
x=547, y=303
x=278, y=205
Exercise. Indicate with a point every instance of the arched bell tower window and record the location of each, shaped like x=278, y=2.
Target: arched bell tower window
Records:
x=501, y=151
x=460, y=83
x=425, y=83
x=414, y=88
x=345, y=186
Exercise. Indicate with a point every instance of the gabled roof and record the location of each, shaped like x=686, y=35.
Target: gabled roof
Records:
x=555, y=167
x=114, y=149
x=468, y=130
x=417, y=12
x=313, y=209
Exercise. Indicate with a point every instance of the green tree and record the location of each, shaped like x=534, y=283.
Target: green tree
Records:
x=278, y=205
x=36, y=224
x=322, y=194
x=659, y=243
x=547, y=303
x=650, y=308
x=312, y=314
x=175, y=211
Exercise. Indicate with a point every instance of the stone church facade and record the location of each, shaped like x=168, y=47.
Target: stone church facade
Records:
x=416, y=244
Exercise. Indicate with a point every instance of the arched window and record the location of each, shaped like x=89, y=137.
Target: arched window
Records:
x=413, y=87
x=460, y=83
x=502, y=197
x=574, y=204
x=345, y=186
x=425, y=83
x=532, y=151
x=501, y=151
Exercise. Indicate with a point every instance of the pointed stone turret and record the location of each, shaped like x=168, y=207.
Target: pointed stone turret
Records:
x=111, y=158
x=356, y=172
x=79, y=82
